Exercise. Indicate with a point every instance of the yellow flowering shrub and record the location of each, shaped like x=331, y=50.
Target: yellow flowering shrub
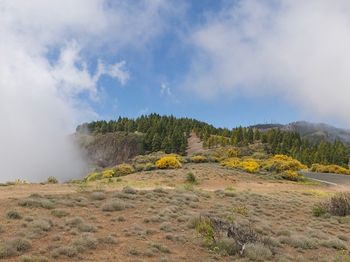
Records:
x=170, y=162
x=226, y=152
x=178, y=157
x=232, y=162
x=248, y=165
x=93, y=176
x=280, y=163
x=123, y=169
x=291, y=175
x=199, y=159
x=335, y=169
x=108, y=173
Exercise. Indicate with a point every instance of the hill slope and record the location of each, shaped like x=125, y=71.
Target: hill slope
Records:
x=314, y=132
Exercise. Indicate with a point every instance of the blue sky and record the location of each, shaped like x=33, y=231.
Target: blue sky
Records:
x=166, y=60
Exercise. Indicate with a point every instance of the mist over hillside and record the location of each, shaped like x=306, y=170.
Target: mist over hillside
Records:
x=314, y=132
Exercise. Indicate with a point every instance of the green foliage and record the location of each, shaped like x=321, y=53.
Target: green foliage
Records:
x=165, y=133
x=204, y=227
x=169, y=134
x=191, y=178
x=52, y=180
x=319, y=210
x=339, y=204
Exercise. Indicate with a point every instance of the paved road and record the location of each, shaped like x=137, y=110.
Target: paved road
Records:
x=330, y=178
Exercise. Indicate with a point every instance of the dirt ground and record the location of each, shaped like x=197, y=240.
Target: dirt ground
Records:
x=149, y=216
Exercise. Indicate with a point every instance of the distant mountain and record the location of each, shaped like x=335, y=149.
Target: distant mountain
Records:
x=312, y=131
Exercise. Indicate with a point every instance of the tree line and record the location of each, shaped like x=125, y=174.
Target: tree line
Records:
x=277, y=141
x=170, y=134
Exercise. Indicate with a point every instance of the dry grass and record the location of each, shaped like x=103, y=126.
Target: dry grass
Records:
x=157, y=222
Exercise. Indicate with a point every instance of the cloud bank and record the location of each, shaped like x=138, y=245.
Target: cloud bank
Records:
x=296, y=49
x=40, y=93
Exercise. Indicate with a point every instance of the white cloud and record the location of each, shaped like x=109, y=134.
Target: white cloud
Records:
x=165, y=90
x=297, y=49
x=40, y=97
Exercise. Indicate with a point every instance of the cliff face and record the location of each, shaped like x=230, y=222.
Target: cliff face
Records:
x=109, y=149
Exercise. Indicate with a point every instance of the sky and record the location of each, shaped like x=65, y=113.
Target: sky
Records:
x=226, y=62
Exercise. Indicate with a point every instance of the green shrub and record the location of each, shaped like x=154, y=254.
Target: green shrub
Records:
x=93, y=177
x=339, y=204
x=114, y=205
x=319, y=210
x=52, y=180
x=21, y=244
x=13, y=214
x=257, y=252
x=191, y=178
x=204, y=227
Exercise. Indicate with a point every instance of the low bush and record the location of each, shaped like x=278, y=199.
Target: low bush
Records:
x=191, y=178
x=292, y=175
x=248, y=165
x=149, y=167
x=124, y=169
x=85, y=242
x=93, y=177
x=199, y=159
x=335, y=169
x=168, y=162
x=114, y=205
x=98, y=195
x=32, y=202
x=20, y=244
x=319, y=210
x=280, y=163
x=13, y=214
x=108, y=173
x=257, y=252
x=337, y=205
x=52, y=180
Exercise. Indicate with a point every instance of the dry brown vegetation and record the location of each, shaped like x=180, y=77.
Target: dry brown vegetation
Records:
x=162, y=215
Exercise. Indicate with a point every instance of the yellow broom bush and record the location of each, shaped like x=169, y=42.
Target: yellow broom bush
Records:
x=335, y=169
x=108, y=173
x=247, y=165
x=168, y=162
x=199, y=159
x=93, y=176
x=124, y=169
x=291, y=175
x=232, y=162
x=250, y=166
x=280, y=163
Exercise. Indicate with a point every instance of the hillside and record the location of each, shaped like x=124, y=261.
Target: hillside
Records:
x=314, y=132
x=171, y=135
x=161, y=215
